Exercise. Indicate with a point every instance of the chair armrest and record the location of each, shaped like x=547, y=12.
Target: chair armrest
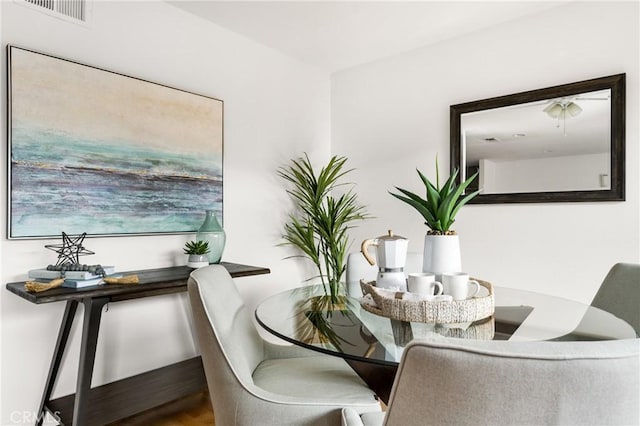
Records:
x=350, y=417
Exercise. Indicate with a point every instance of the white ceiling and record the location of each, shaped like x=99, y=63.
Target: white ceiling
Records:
x=335, y=35
x=525, y=131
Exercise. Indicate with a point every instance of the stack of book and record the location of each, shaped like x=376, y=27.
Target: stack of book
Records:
x=72, y=279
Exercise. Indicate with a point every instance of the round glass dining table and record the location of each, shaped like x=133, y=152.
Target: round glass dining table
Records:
x=373, y=344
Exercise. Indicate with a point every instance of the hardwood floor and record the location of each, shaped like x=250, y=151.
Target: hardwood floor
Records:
x=193, y=410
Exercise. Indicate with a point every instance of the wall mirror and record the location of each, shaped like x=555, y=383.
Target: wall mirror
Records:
x=558, y=144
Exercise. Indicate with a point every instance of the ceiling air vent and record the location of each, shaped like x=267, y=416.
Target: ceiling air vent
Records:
x=75, y=9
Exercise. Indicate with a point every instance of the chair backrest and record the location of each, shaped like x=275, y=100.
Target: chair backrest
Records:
x=230, y=345
x=492, y=382
x=619, y=293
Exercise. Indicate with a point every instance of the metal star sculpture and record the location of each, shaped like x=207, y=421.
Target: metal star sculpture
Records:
x=70, y=250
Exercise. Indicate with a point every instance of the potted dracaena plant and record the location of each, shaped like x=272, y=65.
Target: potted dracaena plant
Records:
x=197, y=251
x=439, y=208
x=319, y=226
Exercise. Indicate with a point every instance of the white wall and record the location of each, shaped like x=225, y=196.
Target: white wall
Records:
x=544, y=174
x=392, y=116
x=388, y=117
x=275, y=108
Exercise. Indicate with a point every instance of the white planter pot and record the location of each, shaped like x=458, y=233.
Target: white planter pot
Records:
x=441, y=254
x=197, y=260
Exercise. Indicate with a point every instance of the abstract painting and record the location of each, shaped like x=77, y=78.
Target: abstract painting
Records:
x=99, y=152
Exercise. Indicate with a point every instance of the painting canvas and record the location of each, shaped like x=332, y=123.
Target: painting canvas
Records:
x=99, y=152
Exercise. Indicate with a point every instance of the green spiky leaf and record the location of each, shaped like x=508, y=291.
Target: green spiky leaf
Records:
x=319, y=227
x=196, y=247
x=441, y=204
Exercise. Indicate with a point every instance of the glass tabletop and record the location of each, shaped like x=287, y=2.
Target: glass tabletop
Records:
x=306, y=317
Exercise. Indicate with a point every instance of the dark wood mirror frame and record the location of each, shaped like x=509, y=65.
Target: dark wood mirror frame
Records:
x=616, y=192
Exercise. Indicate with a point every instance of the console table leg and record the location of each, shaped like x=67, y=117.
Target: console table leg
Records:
x=61, y=343
x=90, y=328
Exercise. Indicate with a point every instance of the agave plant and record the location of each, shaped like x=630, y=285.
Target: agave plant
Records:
x=319, y=227
x=196, y=247
x=441, y=204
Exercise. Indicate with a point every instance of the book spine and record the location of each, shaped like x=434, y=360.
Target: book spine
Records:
x=82, y=283
x=73, y=275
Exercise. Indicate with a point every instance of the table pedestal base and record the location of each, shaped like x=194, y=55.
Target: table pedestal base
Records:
x=378, y=377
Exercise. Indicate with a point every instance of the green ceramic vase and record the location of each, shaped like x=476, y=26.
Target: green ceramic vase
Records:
x=212, y=232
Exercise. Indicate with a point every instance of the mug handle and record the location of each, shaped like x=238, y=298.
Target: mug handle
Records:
x=476, y=284
x=439, y=288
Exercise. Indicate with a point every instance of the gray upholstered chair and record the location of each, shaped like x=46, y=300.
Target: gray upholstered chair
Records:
x=254, y=382
x=619, y=293
x=466, y=382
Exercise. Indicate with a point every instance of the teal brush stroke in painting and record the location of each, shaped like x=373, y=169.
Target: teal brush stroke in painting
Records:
x=62, y=183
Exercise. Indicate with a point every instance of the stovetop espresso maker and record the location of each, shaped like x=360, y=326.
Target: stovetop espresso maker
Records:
x=391, y=252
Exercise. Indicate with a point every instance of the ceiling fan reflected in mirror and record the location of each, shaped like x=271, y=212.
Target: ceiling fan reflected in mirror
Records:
x=563, y=109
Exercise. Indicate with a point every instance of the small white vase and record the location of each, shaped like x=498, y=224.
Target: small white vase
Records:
x=197, y=260
x=441, y=254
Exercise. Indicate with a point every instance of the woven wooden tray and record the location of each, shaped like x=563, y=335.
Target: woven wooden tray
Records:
x=457, y=311
x=479, y=330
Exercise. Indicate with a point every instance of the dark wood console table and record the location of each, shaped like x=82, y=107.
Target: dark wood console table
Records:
x=123, y=398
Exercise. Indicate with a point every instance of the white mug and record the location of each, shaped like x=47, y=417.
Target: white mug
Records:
x=424, y=283
x=458, y=284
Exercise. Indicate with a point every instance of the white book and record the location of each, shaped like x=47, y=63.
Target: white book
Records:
x=73, y=275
